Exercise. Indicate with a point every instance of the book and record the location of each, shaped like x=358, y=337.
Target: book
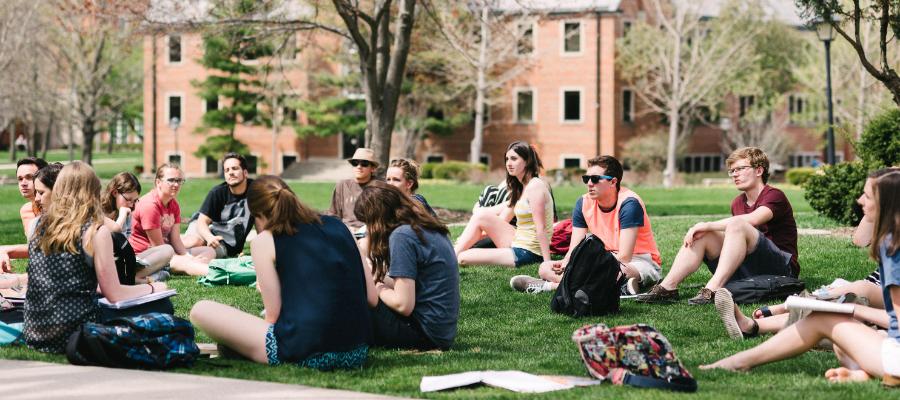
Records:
x=516, y=381
x=810, y=304
x=14, y=296
x=138, y=300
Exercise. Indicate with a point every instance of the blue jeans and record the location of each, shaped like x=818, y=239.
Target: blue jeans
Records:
x=523, y=257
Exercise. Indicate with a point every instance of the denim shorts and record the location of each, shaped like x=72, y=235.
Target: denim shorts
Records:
x=765, y=259
x=327, y=361
x=523, y=257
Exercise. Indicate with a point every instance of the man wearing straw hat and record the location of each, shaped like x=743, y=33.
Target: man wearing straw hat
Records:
x=348, y=190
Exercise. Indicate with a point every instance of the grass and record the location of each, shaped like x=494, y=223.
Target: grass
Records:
x=502, y=329
x=105, y=164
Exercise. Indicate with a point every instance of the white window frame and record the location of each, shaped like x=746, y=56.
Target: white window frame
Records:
x=534, y=96
x=562, y=35
x=287, y=153
x=562, y=105
x=203, y=102
x=206, y=164
x=564, y=156
x=168, y=97
x=520, y=31
x=168, y=57
x=631, y=121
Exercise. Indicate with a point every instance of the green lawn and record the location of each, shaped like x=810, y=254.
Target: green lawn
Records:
x=105, y=164
x=503, y=329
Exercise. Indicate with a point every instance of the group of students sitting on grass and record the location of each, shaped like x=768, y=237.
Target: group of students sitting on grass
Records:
x=379, y=269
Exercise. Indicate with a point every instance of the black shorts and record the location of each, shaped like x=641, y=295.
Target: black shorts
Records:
x=392, y=330
x=765, y=259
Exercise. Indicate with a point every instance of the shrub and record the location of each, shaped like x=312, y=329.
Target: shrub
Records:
x=799, y=176
x=646, y=153
x=427, y=170
x=879, y=145
x=456, y=170
x=833, y=191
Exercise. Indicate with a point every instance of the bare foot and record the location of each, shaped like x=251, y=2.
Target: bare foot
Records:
x=842, y=375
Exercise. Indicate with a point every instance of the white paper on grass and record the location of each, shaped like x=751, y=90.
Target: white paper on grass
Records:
x=137, y=300
x=517, y=381
x=806, y=303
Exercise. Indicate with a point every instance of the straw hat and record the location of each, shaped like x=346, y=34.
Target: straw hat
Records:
x=363, y=153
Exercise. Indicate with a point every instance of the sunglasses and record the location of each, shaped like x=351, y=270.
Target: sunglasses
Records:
x=595, y=179
x=363, y=163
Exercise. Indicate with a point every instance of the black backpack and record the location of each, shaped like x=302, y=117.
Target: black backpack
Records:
x=761, y=288
x=590, y=284
x=149, y=341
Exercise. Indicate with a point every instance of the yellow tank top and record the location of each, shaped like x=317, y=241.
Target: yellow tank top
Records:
x=526, y=232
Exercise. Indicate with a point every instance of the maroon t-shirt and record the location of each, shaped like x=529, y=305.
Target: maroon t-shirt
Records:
x=781, y=229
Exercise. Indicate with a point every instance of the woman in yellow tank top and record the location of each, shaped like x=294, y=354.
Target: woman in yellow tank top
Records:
x=529, y=201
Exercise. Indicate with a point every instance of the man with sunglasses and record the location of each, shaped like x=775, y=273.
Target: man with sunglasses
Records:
x=617, y=216
x=224, y=219
x=759, y=239
x=343, y=199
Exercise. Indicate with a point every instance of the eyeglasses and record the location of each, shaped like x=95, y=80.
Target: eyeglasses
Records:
x=175, y=181
x=127, y=200
x=362, y=163
x=736, y=170
x=595, y=179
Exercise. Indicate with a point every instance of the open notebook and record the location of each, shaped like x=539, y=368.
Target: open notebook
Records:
x=517, y=381
x=138, y=300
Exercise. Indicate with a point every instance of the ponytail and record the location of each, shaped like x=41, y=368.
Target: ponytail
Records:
x=274, y=200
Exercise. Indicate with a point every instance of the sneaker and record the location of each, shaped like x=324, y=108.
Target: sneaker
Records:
x=725, y=309
x=630, y=287
x=658, y=294
x=704, y=296
x=527, y=284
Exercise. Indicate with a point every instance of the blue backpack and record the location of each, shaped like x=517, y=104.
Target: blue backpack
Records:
x=149, y=341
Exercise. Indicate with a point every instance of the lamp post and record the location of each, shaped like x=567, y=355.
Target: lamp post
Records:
x=173, y=124
x=825, y=32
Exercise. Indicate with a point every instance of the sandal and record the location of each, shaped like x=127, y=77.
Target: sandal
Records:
x=754, y=331
x=764, y=311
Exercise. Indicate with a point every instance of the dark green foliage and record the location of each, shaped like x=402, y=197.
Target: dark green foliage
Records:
x=879, y=145
x=333, y=115
x=427, y=171
x=456, y=170
x=799, y=176
x=833, y=192
x=216, y=147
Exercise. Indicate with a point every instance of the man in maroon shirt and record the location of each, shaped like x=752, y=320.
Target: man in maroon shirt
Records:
x=759, y=239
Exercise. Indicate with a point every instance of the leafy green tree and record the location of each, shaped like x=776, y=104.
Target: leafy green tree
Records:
x=233, y=82
x=333, y=113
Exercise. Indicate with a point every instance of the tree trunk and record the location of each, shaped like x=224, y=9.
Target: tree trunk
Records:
x=277, y=117
x=87, y=141
x=45, y=144
x=31, y=138
x=411, y=138
x=112, y=136
x=480, y=88
x=673, y=113
x=11, y=129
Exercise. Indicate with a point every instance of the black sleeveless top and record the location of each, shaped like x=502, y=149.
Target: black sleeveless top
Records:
x=323, y=292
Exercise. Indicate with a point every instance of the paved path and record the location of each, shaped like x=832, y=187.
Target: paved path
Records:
x=24, y=380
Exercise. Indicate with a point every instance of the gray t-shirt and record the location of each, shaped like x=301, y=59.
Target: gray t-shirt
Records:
x=432, y=264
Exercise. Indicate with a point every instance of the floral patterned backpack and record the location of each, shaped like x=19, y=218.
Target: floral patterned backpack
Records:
x=636, y=355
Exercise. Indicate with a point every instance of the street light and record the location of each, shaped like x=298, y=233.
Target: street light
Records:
x=825, y=32
x=173, y=125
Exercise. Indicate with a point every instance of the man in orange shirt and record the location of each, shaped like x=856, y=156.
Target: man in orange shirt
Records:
x=25, y=170
x=618, y=217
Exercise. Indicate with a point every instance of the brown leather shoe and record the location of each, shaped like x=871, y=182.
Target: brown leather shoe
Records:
x=658, y=294
x=704, y=296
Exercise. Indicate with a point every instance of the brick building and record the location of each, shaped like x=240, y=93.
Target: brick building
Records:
x=570, y=104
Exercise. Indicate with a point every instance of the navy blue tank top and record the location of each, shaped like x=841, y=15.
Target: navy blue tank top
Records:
x=323, y=292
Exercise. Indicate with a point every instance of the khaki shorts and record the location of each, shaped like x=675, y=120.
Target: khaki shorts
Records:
x=649, y=270
x=221, y=251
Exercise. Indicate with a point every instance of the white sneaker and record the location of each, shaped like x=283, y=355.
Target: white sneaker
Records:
x=632, y=286
x=527, y=284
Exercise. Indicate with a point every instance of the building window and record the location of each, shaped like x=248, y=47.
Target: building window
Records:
x=290, y=114
x=572, y=105
x=174, y=48
x=175, y=159
x=525, y=106
x=252, y=163
x=571, y=162
x=745, y=103
x=572, y=37
x=287, y=161
x=212, y=104
x=802, y=111
x=627, y=106
x=212, y=166
x=626, y=27
x=525, y=44
x=175, y=108
x=702, y=163
x=434, y=158
x=485, y=159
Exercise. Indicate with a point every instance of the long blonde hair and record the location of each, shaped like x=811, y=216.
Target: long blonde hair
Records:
x=76, y=201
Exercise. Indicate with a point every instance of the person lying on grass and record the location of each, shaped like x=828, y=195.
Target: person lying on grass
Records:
x=415, y=271
x=313, y=286
x=862, y=351
x=71, y=255
x=529, y=241
x=617, y=216
x=759, y=239
x=157, y=218
x=770, y=319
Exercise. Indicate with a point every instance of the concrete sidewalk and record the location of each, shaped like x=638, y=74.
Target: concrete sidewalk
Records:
x=39, y=380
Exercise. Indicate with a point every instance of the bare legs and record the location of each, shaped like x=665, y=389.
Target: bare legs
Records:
x=239, y=331
x=195, y=262
x=154, y=259
x=689, y=259
x=730, y=247
x=500, y=232
x=858, y=343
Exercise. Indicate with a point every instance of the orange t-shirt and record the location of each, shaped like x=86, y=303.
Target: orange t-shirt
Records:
x=606, y=225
